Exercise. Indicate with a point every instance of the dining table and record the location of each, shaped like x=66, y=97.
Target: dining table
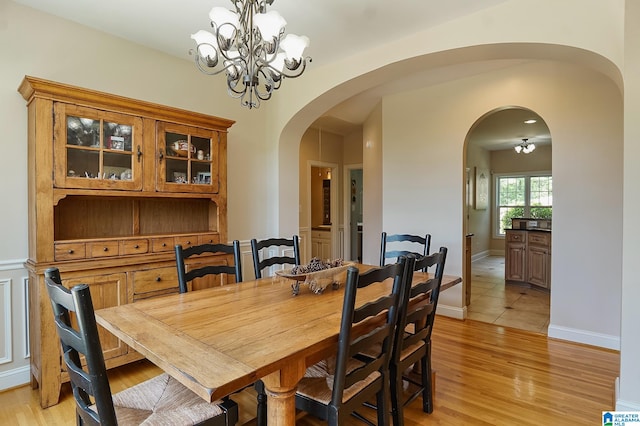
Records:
x=219, y=340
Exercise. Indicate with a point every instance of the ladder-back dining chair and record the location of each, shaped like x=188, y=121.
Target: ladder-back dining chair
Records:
x=184, y=277
x=392, y=246
x=411, y=357
x=262, y=258
x=334, y=389
x=159, y=401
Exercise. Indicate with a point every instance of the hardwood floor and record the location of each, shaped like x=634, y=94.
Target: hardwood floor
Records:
x=486, y=374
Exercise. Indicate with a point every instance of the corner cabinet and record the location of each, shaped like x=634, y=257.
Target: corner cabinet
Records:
x=114, y=184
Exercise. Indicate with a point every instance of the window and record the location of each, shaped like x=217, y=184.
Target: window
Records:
x=522, y=196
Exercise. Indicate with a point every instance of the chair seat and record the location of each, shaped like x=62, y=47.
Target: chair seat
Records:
x=317, y=383
x=162, y=400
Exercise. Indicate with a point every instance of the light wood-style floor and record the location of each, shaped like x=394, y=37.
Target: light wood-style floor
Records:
x=486, y=374
x=512, y=305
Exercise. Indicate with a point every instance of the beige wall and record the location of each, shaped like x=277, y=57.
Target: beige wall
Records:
x=432, y=124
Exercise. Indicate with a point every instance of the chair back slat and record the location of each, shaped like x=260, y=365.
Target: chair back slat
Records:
x=262, y=261
x=184, y=277
x=392, y=246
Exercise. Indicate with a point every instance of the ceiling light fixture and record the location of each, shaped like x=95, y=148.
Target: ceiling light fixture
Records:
x=525, y=146
x=530, y=121
x=250, y=46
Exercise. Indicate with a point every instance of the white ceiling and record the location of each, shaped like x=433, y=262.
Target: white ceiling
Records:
x=166, y=25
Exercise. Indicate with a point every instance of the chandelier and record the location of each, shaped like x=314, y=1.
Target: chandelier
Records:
x=250, y=46
x=525, y=146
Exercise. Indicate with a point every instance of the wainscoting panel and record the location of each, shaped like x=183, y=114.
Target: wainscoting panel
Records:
x=5, y=329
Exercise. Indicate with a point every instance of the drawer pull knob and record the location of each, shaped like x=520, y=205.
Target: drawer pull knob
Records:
x=164, y=244
x=136, y=246
x=158, y=279
x=105, y=249
x=70, y=251
x=188, y=243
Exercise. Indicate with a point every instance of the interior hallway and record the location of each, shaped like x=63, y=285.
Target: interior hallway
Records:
x=511, y=305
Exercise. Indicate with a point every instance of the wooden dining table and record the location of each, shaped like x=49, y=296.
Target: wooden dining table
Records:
x=219, y=340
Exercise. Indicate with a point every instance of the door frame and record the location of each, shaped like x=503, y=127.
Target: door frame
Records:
x=346, y=203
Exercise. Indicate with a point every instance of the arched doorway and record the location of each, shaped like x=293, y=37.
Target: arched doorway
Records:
x=499, y=188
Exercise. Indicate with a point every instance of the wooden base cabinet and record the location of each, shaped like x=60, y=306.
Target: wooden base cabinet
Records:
x=114, y=184
x=539, y=259
x=528, y=257
x=515, y=256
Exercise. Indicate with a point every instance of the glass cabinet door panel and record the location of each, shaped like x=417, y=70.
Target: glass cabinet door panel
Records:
x=117, y=136
x=83, y=163
x=177, y=171
x=96, y=149
x=191, y=159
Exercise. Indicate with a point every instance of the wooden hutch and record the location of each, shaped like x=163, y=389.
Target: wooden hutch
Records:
x=114, y=184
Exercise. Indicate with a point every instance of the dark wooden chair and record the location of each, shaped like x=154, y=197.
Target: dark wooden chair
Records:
x=265, y=261
x=334, y=389
x=210, y=269
x=161, y=400
x=411, y=357
x=185, y=277
x=395, y=245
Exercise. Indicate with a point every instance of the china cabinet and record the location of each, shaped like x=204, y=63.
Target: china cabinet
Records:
x=113, y=185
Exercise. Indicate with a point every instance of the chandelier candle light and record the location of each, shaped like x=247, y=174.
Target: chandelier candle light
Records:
x=250, y=46
x=525, y=146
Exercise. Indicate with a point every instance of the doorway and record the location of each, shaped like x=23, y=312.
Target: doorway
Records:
x=354, y=213
x=323, y=183
x=490, y=152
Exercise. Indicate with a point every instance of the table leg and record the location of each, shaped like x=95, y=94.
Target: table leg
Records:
x=280, y=387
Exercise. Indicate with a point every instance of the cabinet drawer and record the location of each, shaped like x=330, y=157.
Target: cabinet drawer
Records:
x=516, y=236
x=212, y=238
x=69, y=251
x=539, y=238
x=187, y=240
x=321, y=234
x=155, y=280
x=134, y=246
x=159, y=245
x=103, y=249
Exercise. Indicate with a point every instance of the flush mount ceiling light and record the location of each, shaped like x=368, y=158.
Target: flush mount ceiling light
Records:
x=250, y=46
x=525, y=146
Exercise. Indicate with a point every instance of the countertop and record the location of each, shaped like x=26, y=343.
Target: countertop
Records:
x=530, y=229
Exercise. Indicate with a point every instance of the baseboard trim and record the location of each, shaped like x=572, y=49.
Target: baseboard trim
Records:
x=480, y=255
x=452, y=311
x=585, y=337
x=622, y=405
x=14, y=378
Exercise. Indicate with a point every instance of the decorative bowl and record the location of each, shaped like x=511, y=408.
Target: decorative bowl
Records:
x=181, y=148
x=317, y=281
